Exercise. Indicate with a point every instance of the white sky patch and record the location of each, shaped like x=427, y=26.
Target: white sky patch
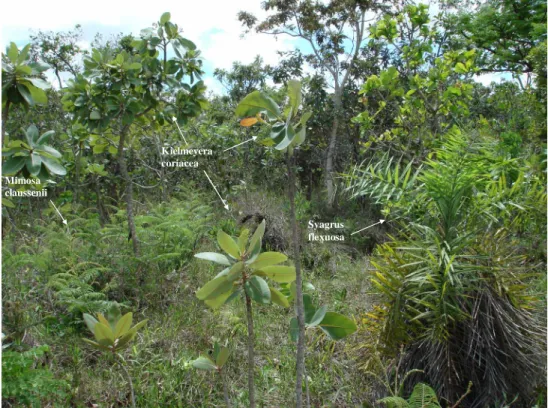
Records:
x=211, y=24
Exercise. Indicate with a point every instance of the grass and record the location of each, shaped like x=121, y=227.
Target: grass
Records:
x=181, y=328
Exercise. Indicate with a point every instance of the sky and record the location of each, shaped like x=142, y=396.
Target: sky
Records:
x=211, y=24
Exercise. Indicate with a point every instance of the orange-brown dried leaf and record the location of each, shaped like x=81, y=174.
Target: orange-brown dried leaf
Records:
x=248, y=121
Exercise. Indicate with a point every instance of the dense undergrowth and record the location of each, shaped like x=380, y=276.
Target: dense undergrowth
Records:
x=427, y=187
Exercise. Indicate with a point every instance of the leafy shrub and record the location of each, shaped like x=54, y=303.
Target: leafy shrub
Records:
x=26, y=381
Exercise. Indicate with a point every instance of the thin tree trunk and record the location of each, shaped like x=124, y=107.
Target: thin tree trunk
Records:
x=332, y=149
x=250, y=351
x=128, y=378
x=5, y=113
x=225, y=388
x=298, y=284
x=129, y=192
x=77, y=166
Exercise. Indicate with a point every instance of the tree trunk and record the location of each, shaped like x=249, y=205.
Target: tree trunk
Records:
x=77, y=167
x=298, y=284
x=250, y=351
x=332, y=149
x=225, y=388
x=128, y=378
x=5, y=113
x=129, y=192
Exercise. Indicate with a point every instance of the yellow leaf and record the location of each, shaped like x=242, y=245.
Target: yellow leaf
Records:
x=248, y=122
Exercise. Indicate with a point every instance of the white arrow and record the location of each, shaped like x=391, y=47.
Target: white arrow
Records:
x=225, y=204
x=239, y=144
x=372, y=225
x=180, y=131
x=64, y=221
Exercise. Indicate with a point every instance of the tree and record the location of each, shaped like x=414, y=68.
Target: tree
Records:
x=506, y=31
x=336, y=32
x=242, y=79
x=119, y=88
x=245, y=269
x=59, y=50
x=425, y=90
x=287, y=131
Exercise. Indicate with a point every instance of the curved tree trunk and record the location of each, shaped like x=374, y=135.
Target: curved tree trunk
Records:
x=129, y=192
x=332, y=149
x=5, y=113
x=250, y=351
x=298, y=283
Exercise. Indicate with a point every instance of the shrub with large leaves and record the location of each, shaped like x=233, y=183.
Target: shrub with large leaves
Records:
x=112, y=335
x=335, y=325
x=32, y=157
x=246, y=268
x=22, y=81
x=287, y=127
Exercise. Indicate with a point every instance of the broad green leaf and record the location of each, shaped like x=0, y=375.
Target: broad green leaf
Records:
x=32, y=135
x=204, y=363
x=309, y=309
x=25, y=93
x=220, y=300
x=214, y=257
x=278, y=298
x=95, y=115
x=97, y=345
x=103, y=320
x=48, y=151
x=318, y=316
x=294, y=329
x=103, y=334
x=34, y=163
x=260, y=291
x=294, y=93
x=38, y=95
x=23, y=54
x=123, y=325
x=39, y=83
x=460, y=68
x=125, y=339
x=189, y=45
x=228, y=244
x=13, y=165
x=257, y=237
x=90, y=322
x=267, y=259
x=45, y=136
x=214, y=288
x=242, y=240
x=280, y=273
x=258, y=102
x=216, y=351
x=135, y=328
x=7, y=203
x=288, y=138
x=304, y=118
x=165, y=18
x=337, y=326
x=235, y=272
x=13, y=52
x=222, y=357
x=53, y=166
